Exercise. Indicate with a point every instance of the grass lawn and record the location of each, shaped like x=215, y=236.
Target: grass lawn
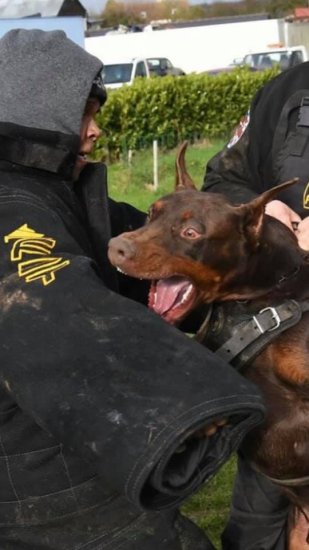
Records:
x=133, y=183
x=209, y=508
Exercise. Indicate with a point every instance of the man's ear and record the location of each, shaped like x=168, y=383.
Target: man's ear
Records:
x=252, y=213
x=183, y=180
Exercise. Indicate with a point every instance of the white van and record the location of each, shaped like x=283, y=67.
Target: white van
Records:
x=124, y=71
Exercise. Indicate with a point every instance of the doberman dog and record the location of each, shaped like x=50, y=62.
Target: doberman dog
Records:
x=197, y=247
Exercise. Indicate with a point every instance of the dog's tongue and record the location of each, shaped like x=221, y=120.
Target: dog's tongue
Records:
x=169, y=293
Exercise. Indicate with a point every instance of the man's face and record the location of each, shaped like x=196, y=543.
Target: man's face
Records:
x=89, y=133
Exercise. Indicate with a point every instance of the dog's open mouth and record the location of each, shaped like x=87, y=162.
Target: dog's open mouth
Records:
x=172, y=298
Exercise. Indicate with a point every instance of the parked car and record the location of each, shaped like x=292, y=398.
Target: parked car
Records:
x=161, y=66
x=282, y=56
x=124, y=71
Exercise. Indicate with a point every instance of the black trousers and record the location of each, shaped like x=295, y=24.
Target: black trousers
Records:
x=259, y=513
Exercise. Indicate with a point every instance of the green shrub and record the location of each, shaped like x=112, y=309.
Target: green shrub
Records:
x=171, y=109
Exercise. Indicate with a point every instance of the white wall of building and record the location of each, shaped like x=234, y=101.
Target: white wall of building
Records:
x=194, y=49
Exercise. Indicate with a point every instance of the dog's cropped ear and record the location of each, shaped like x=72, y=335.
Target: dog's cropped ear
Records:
x=253, y=211
x=183, y=180
x=271, y=194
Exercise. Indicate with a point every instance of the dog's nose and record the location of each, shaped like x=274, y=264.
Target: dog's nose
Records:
x=120, y=250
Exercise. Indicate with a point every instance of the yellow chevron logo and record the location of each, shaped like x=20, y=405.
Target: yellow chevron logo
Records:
x=306, y=197
x=41, y=265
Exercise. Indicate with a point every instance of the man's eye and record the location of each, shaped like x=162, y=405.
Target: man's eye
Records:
x=189, y=233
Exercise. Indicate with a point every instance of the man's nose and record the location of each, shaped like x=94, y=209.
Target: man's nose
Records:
x=94, y=132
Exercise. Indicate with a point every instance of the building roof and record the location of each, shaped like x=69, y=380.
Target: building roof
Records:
x=10, y=9
x=301, y=13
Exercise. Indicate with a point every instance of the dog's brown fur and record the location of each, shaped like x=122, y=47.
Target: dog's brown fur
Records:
x=234, y=253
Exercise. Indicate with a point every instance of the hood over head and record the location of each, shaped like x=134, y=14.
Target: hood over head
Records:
x=46, y=80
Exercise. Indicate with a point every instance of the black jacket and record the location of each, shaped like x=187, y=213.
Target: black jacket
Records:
x=270, y=145
x=97, y=392
x=99, y=397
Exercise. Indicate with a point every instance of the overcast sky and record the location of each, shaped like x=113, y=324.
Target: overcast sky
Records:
x=94, y=6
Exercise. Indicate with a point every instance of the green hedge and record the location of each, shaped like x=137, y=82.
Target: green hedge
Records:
x=169, y=109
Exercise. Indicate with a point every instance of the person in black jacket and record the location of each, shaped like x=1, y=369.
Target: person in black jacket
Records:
x=270, y=146
x=100, y=400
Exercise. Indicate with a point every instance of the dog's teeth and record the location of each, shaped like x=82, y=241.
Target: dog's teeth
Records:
x=186, y=294
x=120, y=270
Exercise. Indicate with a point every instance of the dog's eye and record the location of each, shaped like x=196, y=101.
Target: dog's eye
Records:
x=189, y=233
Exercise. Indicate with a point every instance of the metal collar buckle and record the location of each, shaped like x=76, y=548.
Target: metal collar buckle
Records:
x=274, y=317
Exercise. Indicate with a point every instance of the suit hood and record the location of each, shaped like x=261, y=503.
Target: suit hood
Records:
x=46, y=80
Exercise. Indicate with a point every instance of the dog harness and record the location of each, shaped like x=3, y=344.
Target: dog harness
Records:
x=245, y=333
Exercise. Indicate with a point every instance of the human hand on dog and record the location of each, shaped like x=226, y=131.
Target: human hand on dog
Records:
x=283, y=213
x=204, y=432
x=210, y=429
x=302, y=233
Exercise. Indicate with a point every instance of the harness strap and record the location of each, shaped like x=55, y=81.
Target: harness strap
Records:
x=250, y=337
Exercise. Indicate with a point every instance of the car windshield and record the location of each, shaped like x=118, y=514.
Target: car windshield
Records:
x=265, y=60
x=262, y=60
x=154, y=65
x=117, y=73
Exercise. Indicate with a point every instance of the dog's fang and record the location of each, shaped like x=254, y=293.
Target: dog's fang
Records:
x=186, y=294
